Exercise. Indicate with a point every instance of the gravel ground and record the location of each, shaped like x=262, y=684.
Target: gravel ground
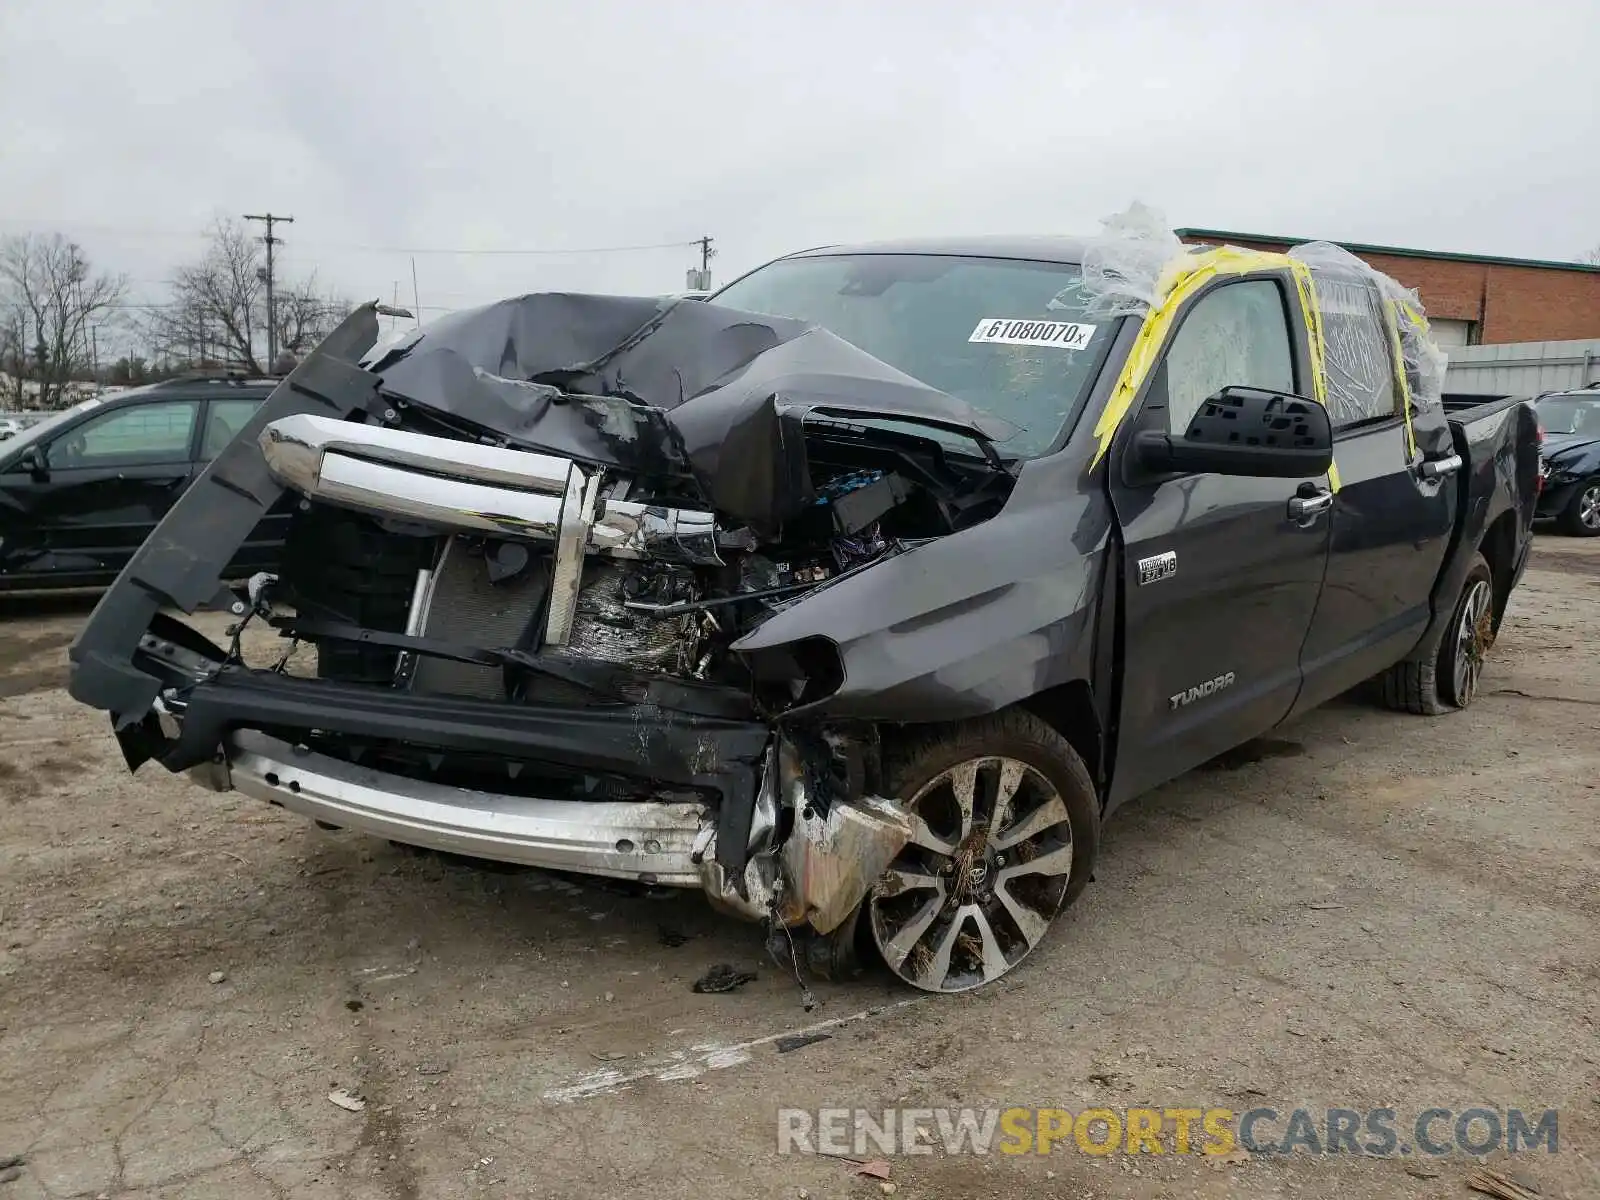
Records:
x=1369, y=910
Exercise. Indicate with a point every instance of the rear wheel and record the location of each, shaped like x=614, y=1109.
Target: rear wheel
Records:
x=1005, y=829
x=1444, y=676
x=1581, y=517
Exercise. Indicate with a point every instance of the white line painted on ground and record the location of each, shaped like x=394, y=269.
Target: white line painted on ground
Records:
x=697, y=1060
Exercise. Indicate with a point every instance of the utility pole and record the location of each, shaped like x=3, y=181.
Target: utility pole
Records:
x=272, y=312
x=706, y=255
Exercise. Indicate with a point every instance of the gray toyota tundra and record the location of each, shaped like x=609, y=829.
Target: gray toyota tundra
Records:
x=857, y=596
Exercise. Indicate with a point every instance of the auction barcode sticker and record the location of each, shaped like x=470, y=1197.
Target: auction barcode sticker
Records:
x=1065, y=335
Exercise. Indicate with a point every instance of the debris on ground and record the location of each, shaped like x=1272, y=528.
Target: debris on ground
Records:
x=10, y=1174
x=346, y=1101
x=1422, y=1170
x=9, y=1161
x=795, y=1041
x=216, y=977
x=1517, y=1186
x=1233, y=1158
x=877, y=1168
x=723, y=978
x=672, y=938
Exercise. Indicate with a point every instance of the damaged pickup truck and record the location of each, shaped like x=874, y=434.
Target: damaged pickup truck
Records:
x=857, y=596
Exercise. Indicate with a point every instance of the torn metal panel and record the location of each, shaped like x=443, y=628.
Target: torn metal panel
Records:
x=831, y=859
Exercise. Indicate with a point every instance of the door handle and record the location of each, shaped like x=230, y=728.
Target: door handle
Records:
x=1438, y=468
x=1306, y=509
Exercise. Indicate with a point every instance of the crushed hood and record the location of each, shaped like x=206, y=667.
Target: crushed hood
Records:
x=663, y=388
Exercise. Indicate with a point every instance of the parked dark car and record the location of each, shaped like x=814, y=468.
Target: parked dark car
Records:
x=1570, y=460
x=81, y=490
x=860, y=617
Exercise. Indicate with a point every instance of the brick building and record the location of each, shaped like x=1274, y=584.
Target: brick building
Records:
x=1471, y=299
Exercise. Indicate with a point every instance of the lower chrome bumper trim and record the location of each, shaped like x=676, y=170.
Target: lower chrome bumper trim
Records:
x=646, y=841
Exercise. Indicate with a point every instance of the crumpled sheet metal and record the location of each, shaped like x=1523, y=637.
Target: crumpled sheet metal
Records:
x=831, y=859
x=662, y=388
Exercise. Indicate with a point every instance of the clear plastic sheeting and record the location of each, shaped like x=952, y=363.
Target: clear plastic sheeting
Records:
x=1128, y=268
x=1358, y=350
x=1421, y=358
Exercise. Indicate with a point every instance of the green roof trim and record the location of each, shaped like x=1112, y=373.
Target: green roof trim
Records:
x=1358, y=248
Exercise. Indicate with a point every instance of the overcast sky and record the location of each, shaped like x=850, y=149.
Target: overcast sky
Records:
x=509, y=125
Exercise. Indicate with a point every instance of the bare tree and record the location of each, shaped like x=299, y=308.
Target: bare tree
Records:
x=218, y=312
x=49, y=298
x=305, y=317
x=1592, y=257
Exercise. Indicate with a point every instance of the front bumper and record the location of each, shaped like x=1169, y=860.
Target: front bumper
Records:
x=652, y=842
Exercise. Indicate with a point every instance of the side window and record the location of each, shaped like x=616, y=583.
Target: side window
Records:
x=147, y=434
x=223, y=423
x=1358, y=352
x=1234, y=336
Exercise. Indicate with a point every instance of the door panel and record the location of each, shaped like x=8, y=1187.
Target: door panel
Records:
x=1238, y=603
x=1391, y=529
x=1212, y=650
x=110, y=480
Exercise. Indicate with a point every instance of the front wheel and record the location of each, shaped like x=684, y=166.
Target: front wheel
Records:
x=1005, y=828
x=1581, y=517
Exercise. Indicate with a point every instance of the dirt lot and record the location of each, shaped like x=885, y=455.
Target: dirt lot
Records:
x=1383, y=911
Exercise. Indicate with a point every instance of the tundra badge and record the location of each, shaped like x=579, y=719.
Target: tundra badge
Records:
x=1162, y=566
x=1201, y=690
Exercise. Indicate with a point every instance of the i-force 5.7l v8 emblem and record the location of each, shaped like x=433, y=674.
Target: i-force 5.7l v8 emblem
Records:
x=1162, y=566
x=1201, y=690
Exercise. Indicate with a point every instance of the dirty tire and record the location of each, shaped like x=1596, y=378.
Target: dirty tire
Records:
x=1427, y=683
x=970, y=897
x=1581, y=516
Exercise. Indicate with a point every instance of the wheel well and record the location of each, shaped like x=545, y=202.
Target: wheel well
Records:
x=1498, y=548
x=1069, y=709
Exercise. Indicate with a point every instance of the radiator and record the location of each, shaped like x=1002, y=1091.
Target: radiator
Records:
x=467, y=609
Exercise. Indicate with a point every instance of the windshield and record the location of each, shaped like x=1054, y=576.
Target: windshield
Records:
x=41, y=429
x=1570, y=414
x=1008, y=337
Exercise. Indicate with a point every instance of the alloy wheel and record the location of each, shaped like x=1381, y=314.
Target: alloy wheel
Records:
x=983, y=876
x=1474, y=633
x=1589, y=507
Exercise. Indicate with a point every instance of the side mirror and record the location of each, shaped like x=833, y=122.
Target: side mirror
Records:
x=1244, y=431
x=33, y=463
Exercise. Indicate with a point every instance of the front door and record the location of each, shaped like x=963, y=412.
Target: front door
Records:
x=1220, y=573
x=104, y=485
